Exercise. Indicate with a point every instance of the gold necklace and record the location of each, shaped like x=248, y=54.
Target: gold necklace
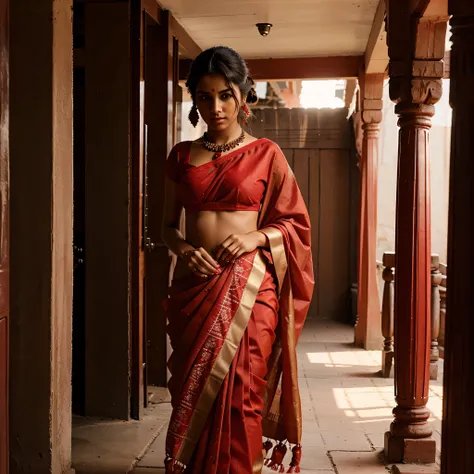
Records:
x=219, y=149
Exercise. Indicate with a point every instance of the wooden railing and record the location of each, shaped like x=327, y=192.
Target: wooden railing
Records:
x=438, y=313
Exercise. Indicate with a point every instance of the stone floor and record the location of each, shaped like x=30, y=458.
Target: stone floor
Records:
x=346, y=409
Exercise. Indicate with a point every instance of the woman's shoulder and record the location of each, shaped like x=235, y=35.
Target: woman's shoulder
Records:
x=274, y=152
x=182, y=146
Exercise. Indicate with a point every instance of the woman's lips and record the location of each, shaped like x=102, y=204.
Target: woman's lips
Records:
x=218, y=119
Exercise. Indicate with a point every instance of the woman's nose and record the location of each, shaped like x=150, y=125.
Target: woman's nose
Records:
x=216, y=105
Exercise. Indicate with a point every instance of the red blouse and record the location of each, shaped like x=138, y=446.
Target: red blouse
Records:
x=235, y=181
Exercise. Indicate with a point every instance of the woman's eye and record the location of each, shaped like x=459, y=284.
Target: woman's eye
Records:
x=203, y=97
x=225, y=96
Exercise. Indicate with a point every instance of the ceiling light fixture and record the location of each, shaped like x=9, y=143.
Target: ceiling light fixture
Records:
x=264, y=28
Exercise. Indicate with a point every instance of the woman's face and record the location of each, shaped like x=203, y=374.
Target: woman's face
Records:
x=216, y=103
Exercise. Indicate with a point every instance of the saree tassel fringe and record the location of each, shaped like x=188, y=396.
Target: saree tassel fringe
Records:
x=267, y=446
x=295, y=460
x=276, y=461
x=173, y=466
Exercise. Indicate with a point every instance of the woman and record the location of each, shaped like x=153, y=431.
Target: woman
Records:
x=241, y=287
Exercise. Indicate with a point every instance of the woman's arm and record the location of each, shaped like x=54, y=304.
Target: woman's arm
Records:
x=170, y=233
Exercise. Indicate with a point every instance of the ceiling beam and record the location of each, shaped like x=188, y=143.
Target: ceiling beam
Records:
x=376, y=53
x=189, y=47
x=434, y=8
x=351, y=89
x=286, y=69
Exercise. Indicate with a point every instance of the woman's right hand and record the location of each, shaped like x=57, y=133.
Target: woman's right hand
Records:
x=201, y=263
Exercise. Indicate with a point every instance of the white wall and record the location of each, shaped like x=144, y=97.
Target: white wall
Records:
x=440, y=152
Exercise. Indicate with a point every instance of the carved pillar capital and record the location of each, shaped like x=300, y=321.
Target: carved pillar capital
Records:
x=416, y=82
x=417, y=78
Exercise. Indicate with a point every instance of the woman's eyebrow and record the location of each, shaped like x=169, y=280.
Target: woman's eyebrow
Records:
x=221, y=92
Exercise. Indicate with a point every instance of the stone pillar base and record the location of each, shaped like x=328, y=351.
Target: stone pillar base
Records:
x=434, y=370
x=387, y=364
x=415, y=469
x=407, y=450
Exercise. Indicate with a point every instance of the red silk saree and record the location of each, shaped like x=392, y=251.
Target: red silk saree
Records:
x=234, y=369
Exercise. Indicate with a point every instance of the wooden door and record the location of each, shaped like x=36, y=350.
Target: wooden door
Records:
x=4, y=234
x=161, y=53
x=79, y=277
x=316, y=144
x=324, y=180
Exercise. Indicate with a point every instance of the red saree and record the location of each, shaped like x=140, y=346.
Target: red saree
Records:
x=234, y=371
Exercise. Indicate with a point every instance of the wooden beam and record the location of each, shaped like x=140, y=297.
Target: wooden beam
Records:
x=376, y=53
x=436, y=8
x=153, y=9
x=187, y=44
x=351, y=87
x=283, y=69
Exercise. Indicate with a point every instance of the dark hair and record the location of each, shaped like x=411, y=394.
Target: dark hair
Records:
x=227, y=62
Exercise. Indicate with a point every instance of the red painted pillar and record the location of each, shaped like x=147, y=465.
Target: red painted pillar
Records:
x=368, y=329
x=416, y=49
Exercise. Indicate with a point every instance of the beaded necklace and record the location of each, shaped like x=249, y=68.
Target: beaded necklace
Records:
x=219, y=149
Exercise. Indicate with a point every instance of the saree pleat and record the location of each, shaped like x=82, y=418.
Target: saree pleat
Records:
x=237, y=410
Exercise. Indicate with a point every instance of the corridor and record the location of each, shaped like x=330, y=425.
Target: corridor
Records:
x=346, y=407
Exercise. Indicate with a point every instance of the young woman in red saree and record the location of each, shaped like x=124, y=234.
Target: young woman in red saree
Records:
x=241, y=288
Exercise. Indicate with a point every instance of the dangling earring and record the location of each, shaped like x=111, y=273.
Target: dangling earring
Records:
x=246, y=111
x=194, y=115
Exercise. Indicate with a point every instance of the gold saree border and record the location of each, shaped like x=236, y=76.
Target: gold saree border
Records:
x=274, y=418
x=277, y=249
x=297, y=412
x=224, y=360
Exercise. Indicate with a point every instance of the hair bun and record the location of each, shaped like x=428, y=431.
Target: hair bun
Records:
x=252, y=97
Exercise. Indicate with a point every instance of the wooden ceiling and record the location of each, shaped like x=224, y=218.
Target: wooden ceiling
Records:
x=301, y=28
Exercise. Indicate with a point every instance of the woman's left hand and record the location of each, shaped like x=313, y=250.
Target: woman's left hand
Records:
x=237, y=244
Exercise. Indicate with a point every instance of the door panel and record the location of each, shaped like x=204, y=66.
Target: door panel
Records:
x=4, y=233
x=3, y=396
x=334, y=236
x=317, y=146
x=160, y=119
x=79, y=288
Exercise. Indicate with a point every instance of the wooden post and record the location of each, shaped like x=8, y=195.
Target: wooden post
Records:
x=41, y=171
x=110, y=262
x=367, y=330
x=4, y=231
x=457, y=455
x=436, y=279
x=442, y=315
x=387, y=313
x=160, y=96
x=416, y=49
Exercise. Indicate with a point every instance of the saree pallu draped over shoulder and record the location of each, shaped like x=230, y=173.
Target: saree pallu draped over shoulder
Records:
x=234, y=367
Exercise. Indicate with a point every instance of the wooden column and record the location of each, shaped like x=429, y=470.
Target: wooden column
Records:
x=160, y=83
x=416, y=48
x=436, y=279
x=109, y=202
x=387, y=313
x=457, y=454
x=41, y=236
x=367, y=331
x=4, y=230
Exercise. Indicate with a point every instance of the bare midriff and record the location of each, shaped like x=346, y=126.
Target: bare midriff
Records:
x=208, y=229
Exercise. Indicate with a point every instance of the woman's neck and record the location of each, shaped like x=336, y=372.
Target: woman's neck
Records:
x=225, y=136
